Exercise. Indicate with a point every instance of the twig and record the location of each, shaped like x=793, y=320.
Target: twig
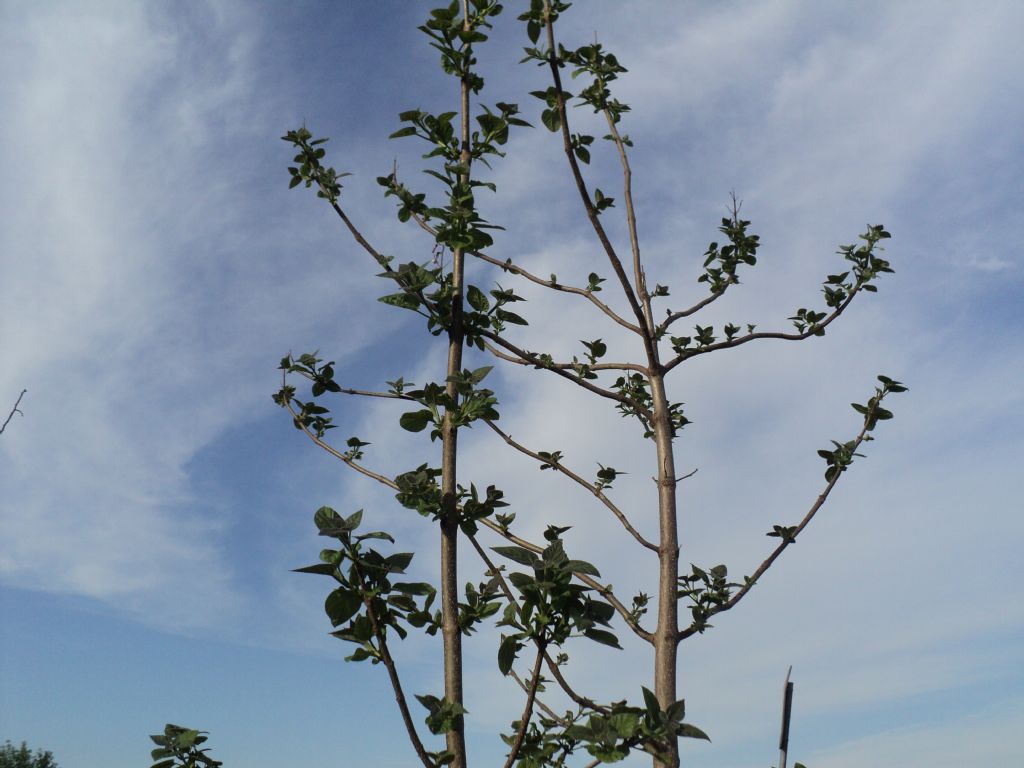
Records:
x=786, y=541
x=14, y=410
x=341, y=456
x=588, y=204
x=579, y=480
x=507, y=590
x=639, y=278
x=533, y=359
x=673, y=316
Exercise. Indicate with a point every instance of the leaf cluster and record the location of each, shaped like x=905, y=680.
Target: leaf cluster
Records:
x=366, y=601
x=707, y=591
x=178, y=747
x=551, y=607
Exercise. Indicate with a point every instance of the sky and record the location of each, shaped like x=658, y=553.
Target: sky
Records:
x=154, y=268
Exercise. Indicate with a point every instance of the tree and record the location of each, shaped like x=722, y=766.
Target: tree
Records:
x=550, y=599
x=22, y=757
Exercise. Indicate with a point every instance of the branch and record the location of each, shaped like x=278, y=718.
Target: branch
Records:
x=581, y=185
x=580, y=481
x=752, y=580
x=639, y=278
x=508, y=266
x=532, y=358
x=14, y=410
x=363, y=392
x=524, y=721
x=396, y=684
x=812, y=331
x=540, y=704
x=673, y=316
x=535, y=361
x=341, y=456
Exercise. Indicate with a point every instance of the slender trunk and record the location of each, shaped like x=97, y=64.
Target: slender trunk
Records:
x=450, y=632
x=665, y=636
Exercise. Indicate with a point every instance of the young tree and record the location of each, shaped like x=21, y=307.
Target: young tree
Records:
x=552, y=599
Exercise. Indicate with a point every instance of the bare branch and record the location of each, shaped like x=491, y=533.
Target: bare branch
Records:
x=14, y=410
x=673, y=316
x=752, y=580
x=639, y=277
x=812, y=331
x=579, y=480
x=362, y=392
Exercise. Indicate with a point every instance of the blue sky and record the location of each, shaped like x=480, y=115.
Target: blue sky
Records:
x=155, y=268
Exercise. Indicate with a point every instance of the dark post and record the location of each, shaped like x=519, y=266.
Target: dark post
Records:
x=787, y=707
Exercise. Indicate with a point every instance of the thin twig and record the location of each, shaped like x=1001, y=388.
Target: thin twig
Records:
x=639, y=278
x=341, y=456
x=577, y=479
x=540, y=704
x=752, y=580
x=581, y=186
x=14, y=410
x=673, y=316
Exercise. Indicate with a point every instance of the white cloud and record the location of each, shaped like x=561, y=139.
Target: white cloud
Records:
x=145, y=300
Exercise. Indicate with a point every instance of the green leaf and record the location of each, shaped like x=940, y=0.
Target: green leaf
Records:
x=324, y=569
x=582, y=566
x=507, y=651
x=398, y=562
x=477, y=299
x=415, y=421
x=409, y=130
x=519, y=554
x=688, y=731
x=651, y=701
x=403, y=300
x=341, y=605
x=604, y=637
